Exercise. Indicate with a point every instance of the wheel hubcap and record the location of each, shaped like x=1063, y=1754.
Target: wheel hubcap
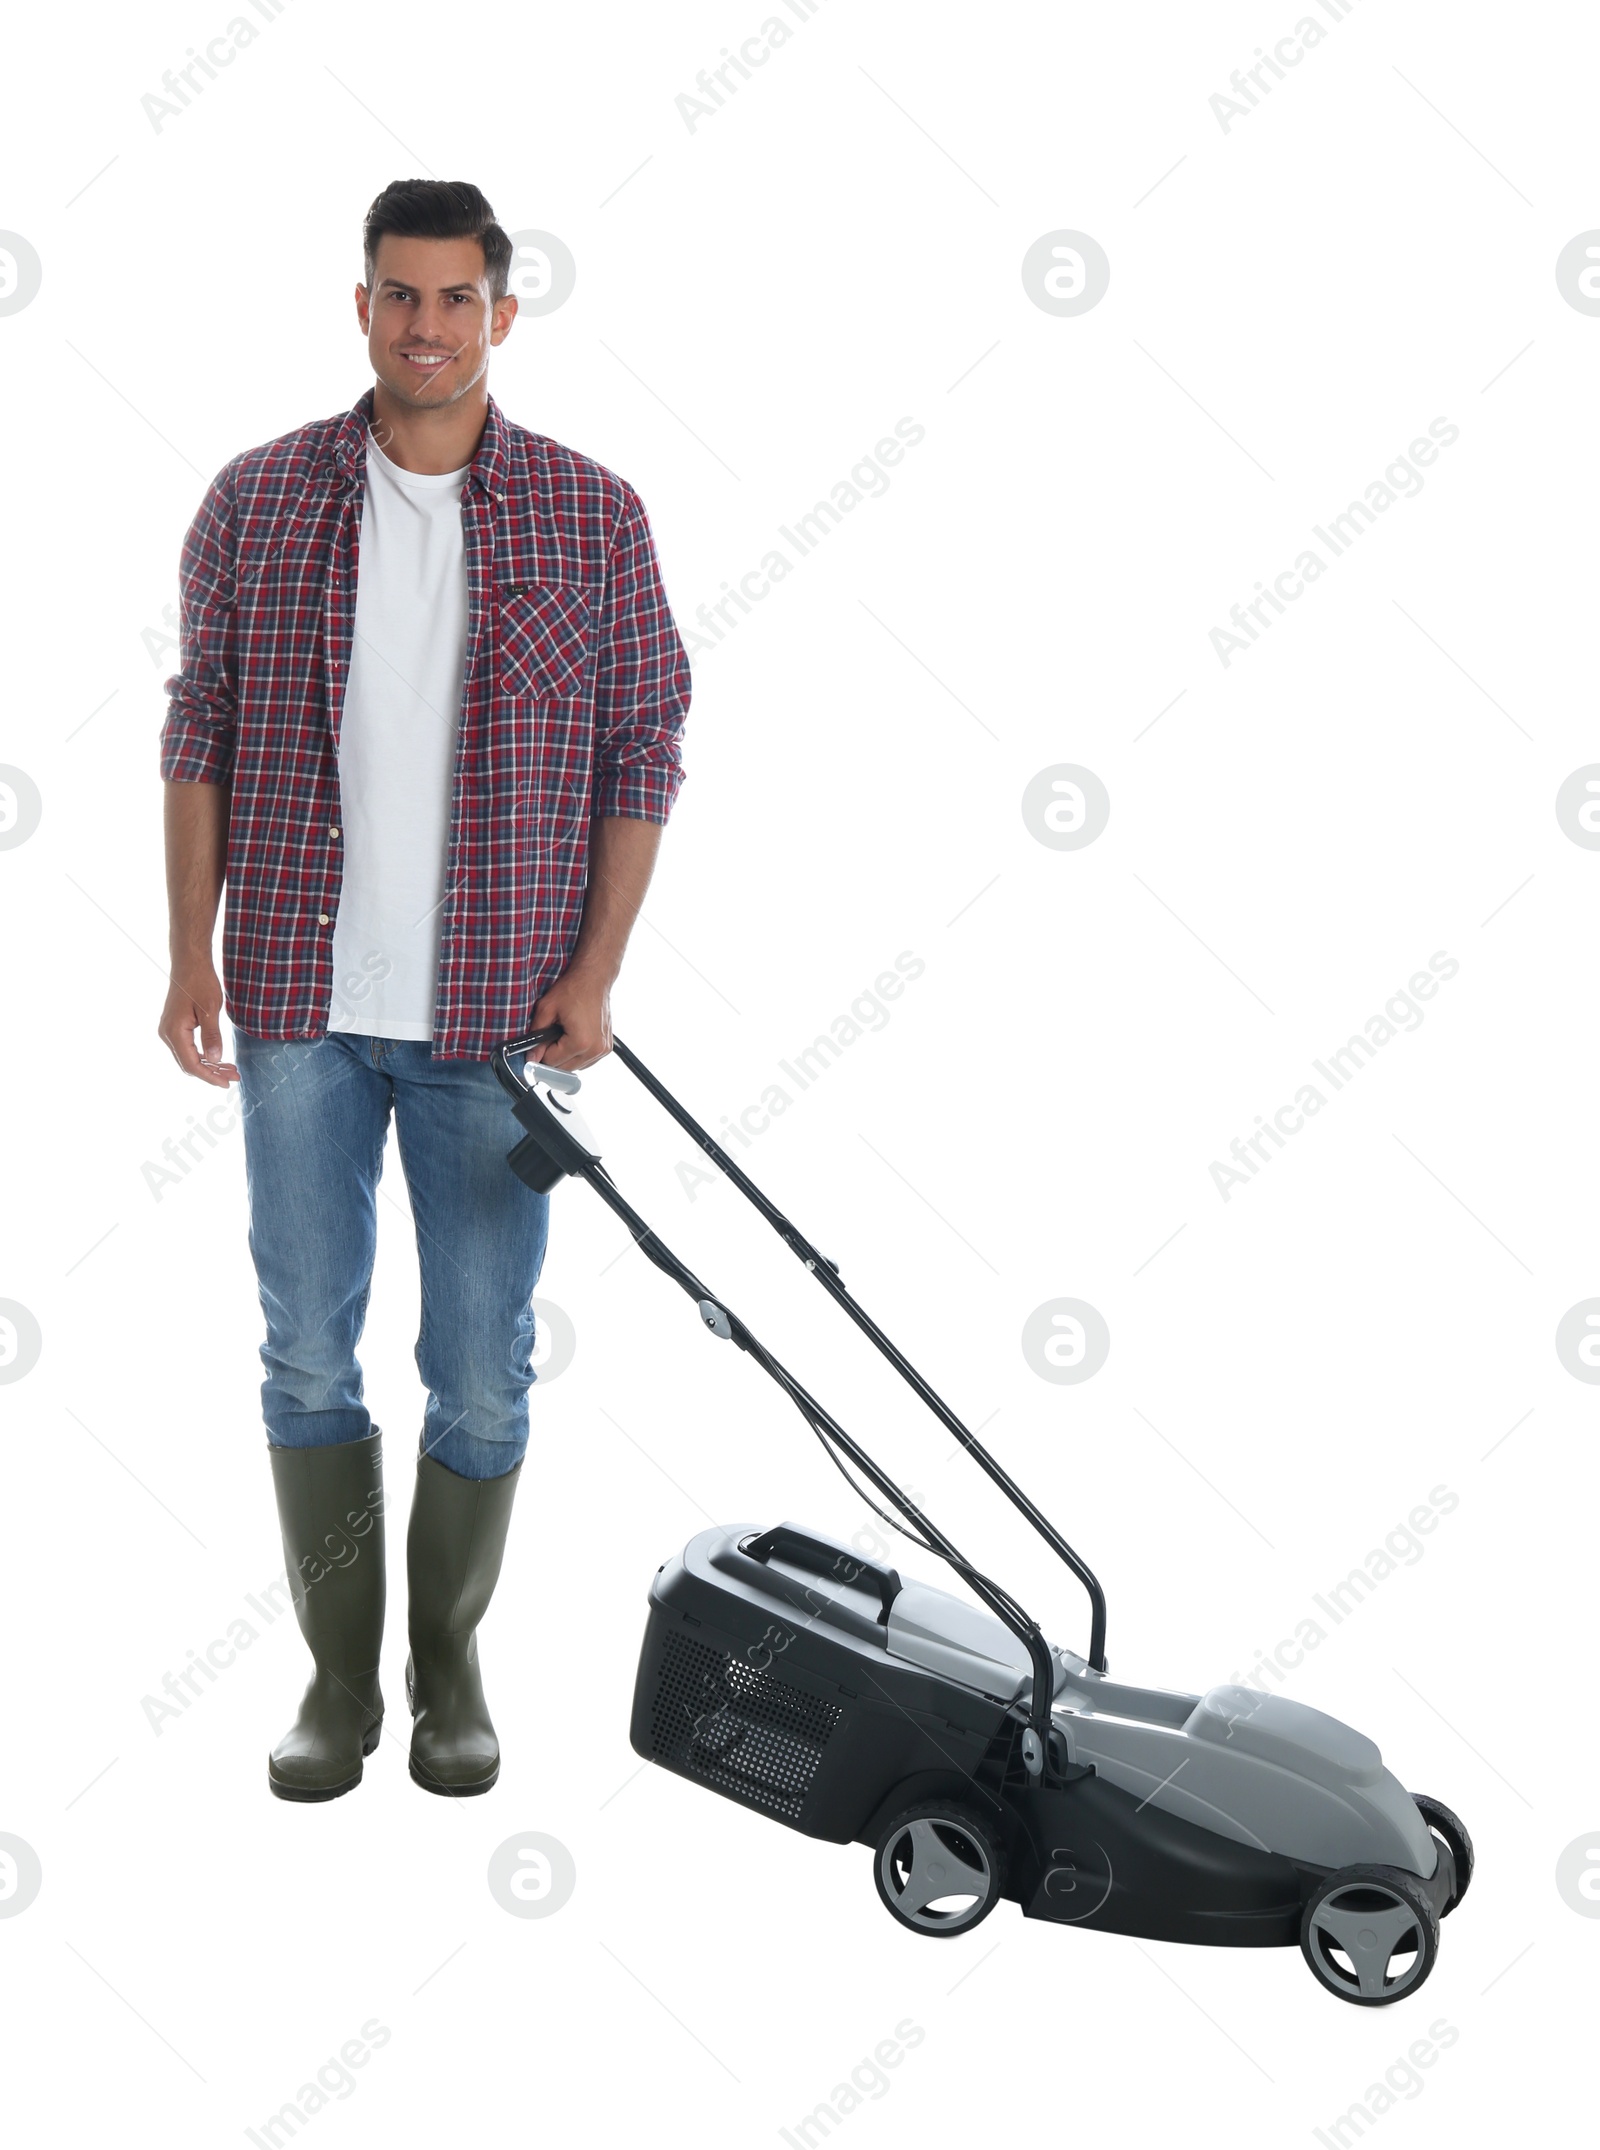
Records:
x=935, y=1874
x=1368, y=1927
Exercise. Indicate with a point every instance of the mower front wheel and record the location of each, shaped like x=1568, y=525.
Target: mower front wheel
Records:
x=1370, y=1934
x=1451, y=1830
x=939, y=1869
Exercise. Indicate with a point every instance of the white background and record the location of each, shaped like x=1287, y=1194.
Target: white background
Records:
x=758, y=301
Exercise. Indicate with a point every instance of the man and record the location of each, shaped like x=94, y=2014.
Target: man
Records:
x=426, y=730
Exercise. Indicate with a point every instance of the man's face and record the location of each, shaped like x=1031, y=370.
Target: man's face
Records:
x=429, y=321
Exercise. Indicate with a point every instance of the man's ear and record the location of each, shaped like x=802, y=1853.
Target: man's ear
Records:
x=505, y=312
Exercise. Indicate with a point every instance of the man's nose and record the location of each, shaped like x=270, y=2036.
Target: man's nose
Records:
x=431, y=324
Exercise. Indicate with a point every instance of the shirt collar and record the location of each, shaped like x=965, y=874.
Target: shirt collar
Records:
x=488, y=471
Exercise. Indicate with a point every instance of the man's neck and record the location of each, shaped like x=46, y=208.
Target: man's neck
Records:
x=429, y=442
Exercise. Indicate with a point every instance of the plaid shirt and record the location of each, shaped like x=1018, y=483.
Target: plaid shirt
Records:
x=575, y=694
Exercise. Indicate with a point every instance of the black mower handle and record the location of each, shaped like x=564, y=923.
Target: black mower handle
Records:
x=563, y=1156
x=503, y=1055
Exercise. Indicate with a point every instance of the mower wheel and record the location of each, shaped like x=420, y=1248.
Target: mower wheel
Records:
x=1453, y=1831
x=1359, y=1922
x=939, y=1869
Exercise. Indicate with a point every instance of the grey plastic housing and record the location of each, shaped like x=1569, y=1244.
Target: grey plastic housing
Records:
x=931, y=1628
x=1261, y=1769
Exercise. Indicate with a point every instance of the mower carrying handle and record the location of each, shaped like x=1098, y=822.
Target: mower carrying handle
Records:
x=785, y=1541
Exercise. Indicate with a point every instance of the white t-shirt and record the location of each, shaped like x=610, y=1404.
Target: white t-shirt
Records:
x=397, y=748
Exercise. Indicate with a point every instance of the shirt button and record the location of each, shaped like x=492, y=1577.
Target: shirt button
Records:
x=333, y=832
x=322, y=918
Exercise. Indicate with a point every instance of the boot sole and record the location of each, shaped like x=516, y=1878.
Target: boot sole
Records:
x=454, y=1791
x=314, y=1794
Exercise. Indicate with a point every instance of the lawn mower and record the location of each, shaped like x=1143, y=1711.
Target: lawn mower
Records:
x=784, y=1671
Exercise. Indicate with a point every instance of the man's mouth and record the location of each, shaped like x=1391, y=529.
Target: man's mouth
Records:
x=427, y=361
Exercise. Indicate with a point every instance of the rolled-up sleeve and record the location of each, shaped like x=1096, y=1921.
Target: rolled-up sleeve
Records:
x=642, y=680
x=198, y=733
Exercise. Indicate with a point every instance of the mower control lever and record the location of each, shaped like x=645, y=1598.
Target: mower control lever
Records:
x=566, y=1080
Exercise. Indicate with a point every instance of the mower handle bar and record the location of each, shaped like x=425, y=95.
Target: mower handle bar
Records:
x=827, y=1275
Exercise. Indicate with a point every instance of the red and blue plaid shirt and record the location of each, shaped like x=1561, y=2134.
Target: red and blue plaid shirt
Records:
x=576, y=689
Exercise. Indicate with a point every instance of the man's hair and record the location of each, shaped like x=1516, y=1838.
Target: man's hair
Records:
x=439, y=209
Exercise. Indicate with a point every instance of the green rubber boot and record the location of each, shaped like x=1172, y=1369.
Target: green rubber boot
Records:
x=453, y=1553
x=330, y=1510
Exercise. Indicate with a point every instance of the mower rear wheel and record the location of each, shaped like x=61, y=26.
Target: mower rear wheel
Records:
x=939, y=1869
x=1452, y=1830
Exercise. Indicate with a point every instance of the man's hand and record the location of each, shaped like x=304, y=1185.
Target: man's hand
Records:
x=580, y=1001
x=194, y=1002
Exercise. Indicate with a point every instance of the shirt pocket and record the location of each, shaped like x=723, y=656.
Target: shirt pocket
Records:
x=544, y=635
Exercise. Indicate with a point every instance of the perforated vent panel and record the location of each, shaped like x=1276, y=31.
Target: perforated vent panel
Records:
x=737, y=1726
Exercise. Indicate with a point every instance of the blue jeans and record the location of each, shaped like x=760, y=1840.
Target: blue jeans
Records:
x=315, y=1117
